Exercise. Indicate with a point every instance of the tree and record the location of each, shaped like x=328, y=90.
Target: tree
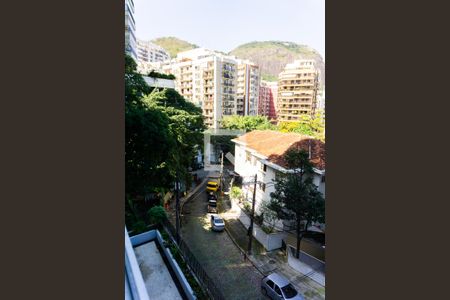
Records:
x=247, y=123
x=157, y=214
x=161, y=130
x=269, y=216
x=308, y=125
x=296, y=196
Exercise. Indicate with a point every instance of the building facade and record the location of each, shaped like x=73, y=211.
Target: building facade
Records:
x=148, y=52
x=261, y=152
x=130, y=29
x=267, y=99
x=248, y=79
x=212, y=81
x=297, y=90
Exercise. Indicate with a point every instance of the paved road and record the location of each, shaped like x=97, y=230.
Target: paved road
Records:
x=221, y=259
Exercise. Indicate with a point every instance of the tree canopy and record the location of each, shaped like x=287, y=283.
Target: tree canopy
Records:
x=161, y=131
x=309, y=125
x=296, y=196
x=247, y=123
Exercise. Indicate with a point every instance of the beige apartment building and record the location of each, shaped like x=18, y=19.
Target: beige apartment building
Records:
x=210, y=80
x=297, y=90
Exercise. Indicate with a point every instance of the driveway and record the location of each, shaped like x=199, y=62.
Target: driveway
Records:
x=219, y=256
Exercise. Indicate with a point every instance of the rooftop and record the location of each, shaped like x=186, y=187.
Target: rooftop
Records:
x=150, y=270
x=274, y=144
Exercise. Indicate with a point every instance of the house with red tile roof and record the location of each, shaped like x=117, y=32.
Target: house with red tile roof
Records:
x=262, y=152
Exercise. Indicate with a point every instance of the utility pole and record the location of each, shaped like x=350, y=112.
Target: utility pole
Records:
x=221, y=172
x=177, y=207
x=250, y=228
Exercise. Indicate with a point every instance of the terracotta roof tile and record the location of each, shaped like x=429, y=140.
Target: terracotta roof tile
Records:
x=274, y=144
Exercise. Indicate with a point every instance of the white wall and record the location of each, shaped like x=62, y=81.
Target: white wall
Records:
x=248, y=169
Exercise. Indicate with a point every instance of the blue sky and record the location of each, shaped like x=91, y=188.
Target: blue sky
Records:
x=225, y=24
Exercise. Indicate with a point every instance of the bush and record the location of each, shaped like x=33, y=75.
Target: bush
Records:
x=161, y=75
x=247, y=207
x=236, y=193
x=259, y=219
x=138, y=226
x=157, y=214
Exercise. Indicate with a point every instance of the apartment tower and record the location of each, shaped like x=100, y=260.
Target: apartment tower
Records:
x=130, y=28
x=247, y=88
x=210, y=80
x=297, y=90
x=148, y=52
x=267, y=99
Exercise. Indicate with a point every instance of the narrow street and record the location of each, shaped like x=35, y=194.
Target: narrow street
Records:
x=221, y=259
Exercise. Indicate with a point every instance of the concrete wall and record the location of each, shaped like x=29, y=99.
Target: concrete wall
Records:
x=147, y=237
x=134, y=285
x=270, y=241
x=181, y=278
x=160, y=82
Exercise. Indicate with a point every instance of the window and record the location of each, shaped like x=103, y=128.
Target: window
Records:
x=277, y=290
x=270, y=283
x=323, y=178
x=247, y=156
x=263, y=167
x=263, y=187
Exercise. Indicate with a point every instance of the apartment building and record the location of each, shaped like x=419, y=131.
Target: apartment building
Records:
x=247, y=88
x=297, y=90
x=148, y=52
x=267, y=99
x=130, y=29
x=210, y=80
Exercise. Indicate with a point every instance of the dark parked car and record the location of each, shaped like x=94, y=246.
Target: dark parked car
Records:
x=212, y=196
x=212, y=206
x=277, y=287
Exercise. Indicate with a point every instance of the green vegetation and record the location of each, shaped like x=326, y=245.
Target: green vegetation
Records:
x=312, y=126
x=156, y=215
x=272, y=56
x=247, y=123
x=236, y=193
x=296, y=196
x=174, y=45
x=198, y=291
x=155, y=74
x=269, y=77
x=161, y=132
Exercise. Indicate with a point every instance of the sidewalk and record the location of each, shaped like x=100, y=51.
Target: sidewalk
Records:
x=273, y=261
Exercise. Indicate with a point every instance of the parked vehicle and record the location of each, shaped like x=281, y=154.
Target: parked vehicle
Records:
x=275, y=286
x=211, y=196
x=212, y=186
x=217, y=223
x=212, y=206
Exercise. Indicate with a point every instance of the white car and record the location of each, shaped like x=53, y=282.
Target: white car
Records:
x=275, y=286
x=217, y=223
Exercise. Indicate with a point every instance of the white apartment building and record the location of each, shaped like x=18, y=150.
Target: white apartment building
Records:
x=130, y=29
x=148, y=52
x=261, y=152
x=210, y=80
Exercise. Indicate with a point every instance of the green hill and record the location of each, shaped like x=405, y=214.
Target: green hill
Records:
x=173, y=45
x=272, y=56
